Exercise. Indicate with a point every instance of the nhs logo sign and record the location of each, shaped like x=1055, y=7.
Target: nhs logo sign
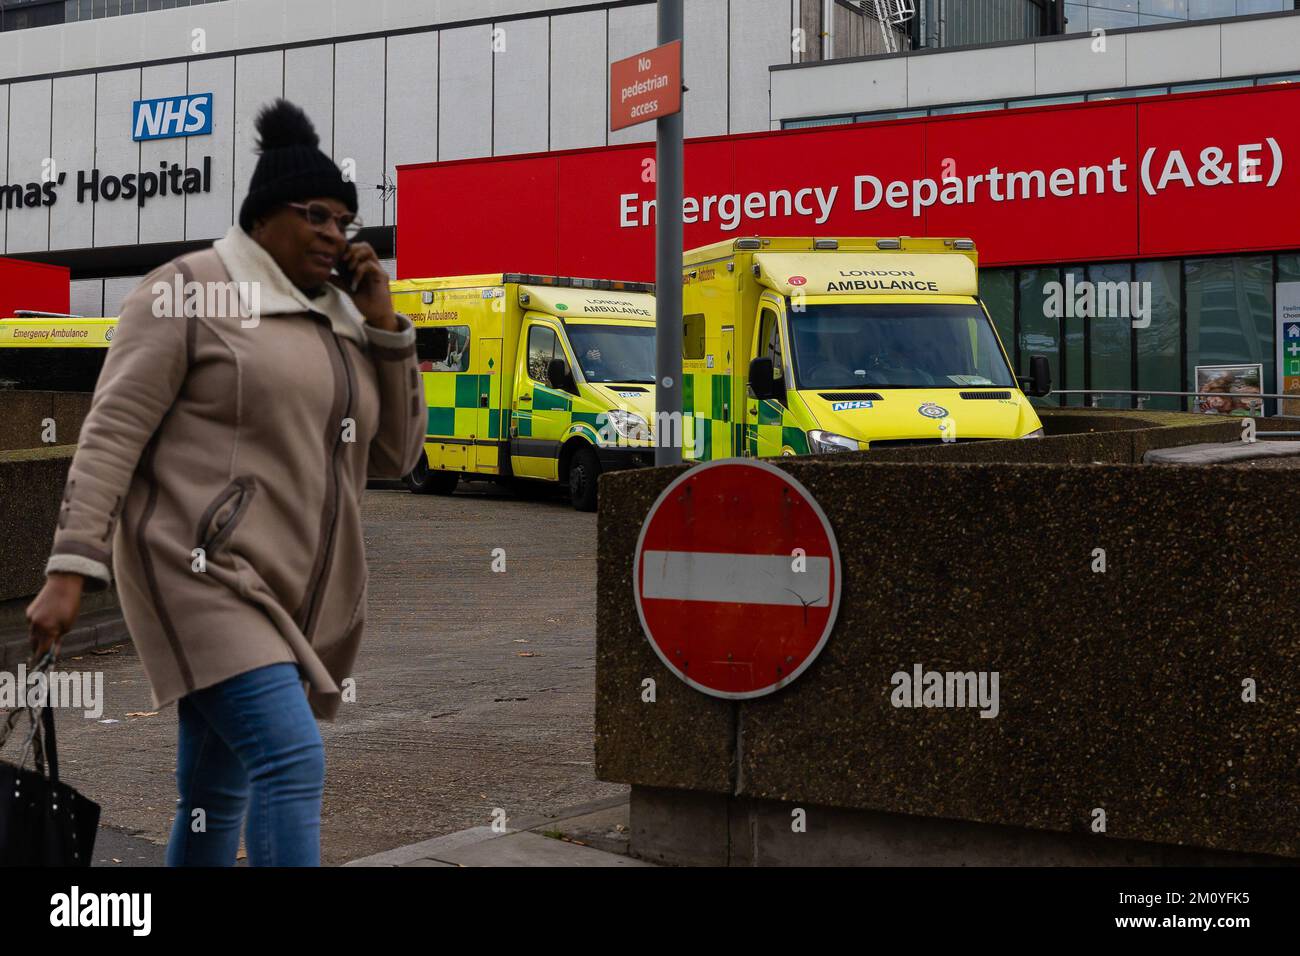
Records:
x=172, y=116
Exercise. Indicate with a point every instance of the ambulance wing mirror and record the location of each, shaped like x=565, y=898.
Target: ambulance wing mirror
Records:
x=559, y=376
x=1039, y=381
x=761, y=378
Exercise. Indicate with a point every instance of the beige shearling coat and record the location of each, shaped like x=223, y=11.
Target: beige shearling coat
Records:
x=250, y=438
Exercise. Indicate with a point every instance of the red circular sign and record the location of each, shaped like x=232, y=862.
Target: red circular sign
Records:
x=737, y=578
x=798, y=280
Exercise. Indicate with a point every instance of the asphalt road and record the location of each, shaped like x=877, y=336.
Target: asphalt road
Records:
x=474, y=688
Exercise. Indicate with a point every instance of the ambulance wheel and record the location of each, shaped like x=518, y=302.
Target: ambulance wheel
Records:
x=583, y=472
x=425, y=481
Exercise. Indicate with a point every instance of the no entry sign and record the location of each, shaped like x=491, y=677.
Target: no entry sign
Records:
x=737, y=578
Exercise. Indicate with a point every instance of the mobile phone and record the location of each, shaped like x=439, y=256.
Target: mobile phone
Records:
x=344, y=270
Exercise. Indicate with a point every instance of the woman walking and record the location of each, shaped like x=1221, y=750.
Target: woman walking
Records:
x=247, y=395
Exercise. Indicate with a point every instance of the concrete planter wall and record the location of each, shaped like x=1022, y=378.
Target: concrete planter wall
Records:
x=1119, y=691
x=31, y=487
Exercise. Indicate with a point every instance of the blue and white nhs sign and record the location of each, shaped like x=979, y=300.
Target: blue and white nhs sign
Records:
x=172, y=116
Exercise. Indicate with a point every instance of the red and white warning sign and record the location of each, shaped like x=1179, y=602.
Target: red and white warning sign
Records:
x=737, y=578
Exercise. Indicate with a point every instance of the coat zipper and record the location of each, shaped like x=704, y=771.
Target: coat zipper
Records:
x=310, y=618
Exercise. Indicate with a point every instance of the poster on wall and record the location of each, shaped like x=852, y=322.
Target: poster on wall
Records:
x=1287, y=298
x=1235, y=389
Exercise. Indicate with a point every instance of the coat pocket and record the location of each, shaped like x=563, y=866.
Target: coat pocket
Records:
x=223, y=513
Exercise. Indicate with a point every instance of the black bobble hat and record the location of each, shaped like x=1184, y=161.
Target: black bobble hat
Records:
x=291, y=167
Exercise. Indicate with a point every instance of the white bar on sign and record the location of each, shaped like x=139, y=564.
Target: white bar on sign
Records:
x=739, y=578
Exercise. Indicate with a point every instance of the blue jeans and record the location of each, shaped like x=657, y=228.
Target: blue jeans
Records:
x=248, y=745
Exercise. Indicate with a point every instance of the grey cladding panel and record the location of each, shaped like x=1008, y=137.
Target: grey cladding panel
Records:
x=465, y=101
x=208, y=215
x=29, y=152
x=117, y=221
x=309, y=82
x=162, y=219
x=579, y=78
x=259, y=81
x=4, y=155
x=359, y=120
x=412, y=125
x=86, y=297
x=116, y=290
x=631, y=30
x=72, y=223
x=760, y=38
x=521, y=108
x=704, y=70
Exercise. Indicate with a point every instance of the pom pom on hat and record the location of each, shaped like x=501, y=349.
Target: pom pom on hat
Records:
x=291, y=167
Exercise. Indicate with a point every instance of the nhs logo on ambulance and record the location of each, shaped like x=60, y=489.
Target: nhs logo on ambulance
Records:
x=172, y=116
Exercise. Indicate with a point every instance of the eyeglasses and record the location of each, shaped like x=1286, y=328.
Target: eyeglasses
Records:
x=319, y=215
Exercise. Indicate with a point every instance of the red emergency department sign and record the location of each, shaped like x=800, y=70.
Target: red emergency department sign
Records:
x=737, y=578
x=1190, y=174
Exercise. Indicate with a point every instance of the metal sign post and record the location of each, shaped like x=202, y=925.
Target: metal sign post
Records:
x=648, y=86
x=669, y=427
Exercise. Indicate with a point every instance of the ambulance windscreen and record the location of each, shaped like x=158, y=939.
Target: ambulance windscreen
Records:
x=614, y=353
x=896, y=345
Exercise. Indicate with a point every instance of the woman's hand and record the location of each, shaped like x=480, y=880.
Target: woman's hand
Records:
x=370, y=286
x=53, y=612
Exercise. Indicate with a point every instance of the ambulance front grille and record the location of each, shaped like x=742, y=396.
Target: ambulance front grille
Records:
x=852, y=396
x=971, y=395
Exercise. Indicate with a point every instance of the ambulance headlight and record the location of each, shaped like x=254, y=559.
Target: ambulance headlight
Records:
x=628, y=425
x=1036, y=433
x=822, y=442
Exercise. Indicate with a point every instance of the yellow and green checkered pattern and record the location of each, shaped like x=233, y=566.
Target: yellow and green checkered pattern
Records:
x=562, y=415
x=455, y=401
x=704, y=394
x=775, y=429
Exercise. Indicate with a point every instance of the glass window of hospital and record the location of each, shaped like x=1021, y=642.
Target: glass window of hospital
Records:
x=1040, y=334
x=1230, y=314
x=1110, y=351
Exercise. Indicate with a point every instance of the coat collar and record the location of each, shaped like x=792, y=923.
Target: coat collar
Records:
x=246, y=261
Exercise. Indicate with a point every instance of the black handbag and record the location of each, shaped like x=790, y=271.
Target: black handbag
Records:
x=43, y=822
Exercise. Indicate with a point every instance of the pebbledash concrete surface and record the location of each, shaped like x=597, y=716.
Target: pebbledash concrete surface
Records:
x=1157, y=696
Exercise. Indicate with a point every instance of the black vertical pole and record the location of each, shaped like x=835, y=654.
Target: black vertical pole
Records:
x=669, y=428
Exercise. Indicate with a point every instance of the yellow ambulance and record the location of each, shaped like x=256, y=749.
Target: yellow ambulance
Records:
x=53, y=353
x=532, y=379
x=796, y=346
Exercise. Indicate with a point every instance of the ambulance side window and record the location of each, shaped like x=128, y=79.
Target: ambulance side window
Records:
x=693, y=336
x=444, y=349
x=541, y=349
x=769, y=342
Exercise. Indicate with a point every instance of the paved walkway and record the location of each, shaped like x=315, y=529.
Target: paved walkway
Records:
x=1223, y=453
x=474, y=688
x=594, y=834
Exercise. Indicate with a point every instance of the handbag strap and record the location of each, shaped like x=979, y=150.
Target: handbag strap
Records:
x=47, y=746
x=8, y=726
x=47, y=719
